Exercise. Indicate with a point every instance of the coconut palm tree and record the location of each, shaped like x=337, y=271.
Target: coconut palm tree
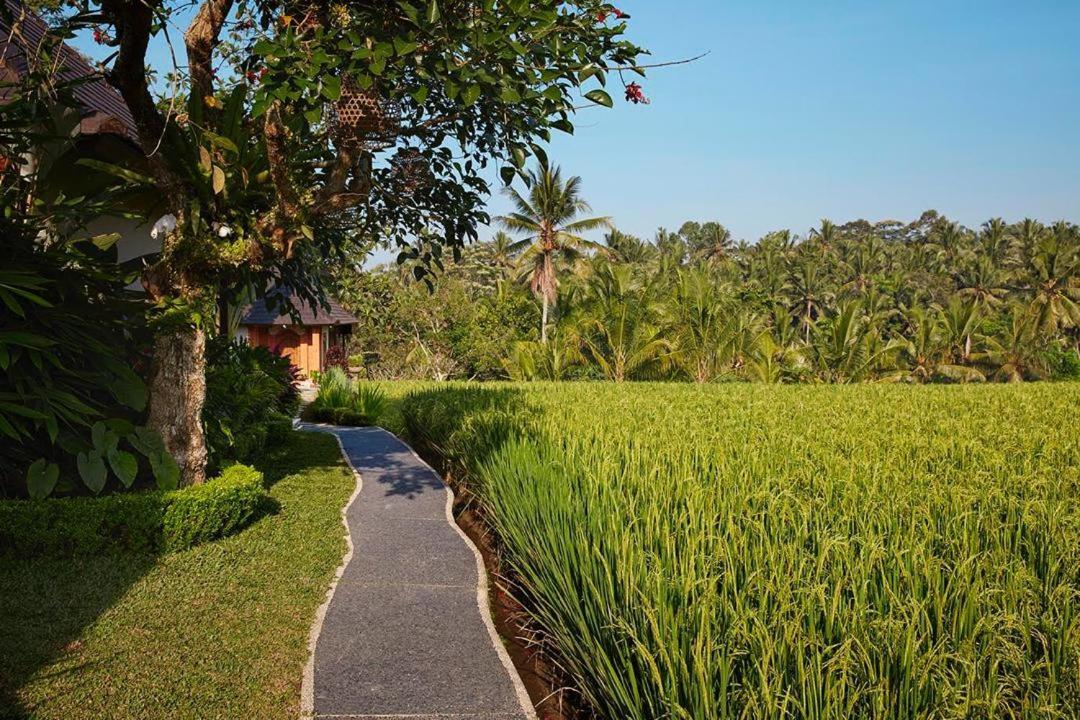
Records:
x=550, y=218
x=620, y=331
x=1053, y=265
x=1017, y=353
x=806, y=288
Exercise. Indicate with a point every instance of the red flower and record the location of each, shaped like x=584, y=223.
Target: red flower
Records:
x=619, y=13
x=100, y=37
x=251, y=76
x=635, y=95
x=602, y=16
x=262, y=73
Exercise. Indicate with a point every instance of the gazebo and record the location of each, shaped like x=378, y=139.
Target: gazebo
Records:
x=304, y=339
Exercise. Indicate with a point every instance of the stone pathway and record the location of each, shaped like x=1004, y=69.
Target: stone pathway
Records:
x=406, y=632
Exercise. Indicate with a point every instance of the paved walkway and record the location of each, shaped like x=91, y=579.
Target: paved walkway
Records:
x=406, y=632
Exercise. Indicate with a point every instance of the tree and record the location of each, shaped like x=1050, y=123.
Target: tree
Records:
x=551, y=220
x=293, y=129
x=620, y=332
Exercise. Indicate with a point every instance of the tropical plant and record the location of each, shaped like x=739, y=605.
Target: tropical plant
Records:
x=550, y=218
x=736, y=551
x=251, y=396
x=620, y=331
x=343, y=401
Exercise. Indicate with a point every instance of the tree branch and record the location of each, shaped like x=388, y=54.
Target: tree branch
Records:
x=133, y=20
x=201, y=38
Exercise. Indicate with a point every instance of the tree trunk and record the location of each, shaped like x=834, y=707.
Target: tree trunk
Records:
x=544, y=319
x=177, y=394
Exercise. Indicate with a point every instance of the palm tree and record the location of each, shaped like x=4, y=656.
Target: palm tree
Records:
x=697, y=311
x=1054, y=268
x=826, y=236
x=620, y=332
x=716, y=244
x=550, y=218
x=1017, y=352
x=807, y=290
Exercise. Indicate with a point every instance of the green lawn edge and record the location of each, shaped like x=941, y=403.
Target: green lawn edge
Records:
x=217, y=631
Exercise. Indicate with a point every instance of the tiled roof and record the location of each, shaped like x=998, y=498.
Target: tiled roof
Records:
x=259, y=314
x=97, y=97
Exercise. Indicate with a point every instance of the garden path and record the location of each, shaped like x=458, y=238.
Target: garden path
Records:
x=406, y=631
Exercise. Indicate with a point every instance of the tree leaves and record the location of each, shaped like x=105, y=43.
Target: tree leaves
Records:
x=41, y=478
x=166, y=471
x=600, y=97
x=218, y=180
x=124, y=465
x=92, y=470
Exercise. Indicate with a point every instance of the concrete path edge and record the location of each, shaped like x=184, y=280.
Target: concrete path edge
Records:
x=307, y=685
x=307, y=689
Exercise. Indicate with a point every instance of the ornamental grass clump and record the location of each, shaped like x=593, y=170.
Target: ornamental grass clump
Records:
x=786, y=552
x=343, y=401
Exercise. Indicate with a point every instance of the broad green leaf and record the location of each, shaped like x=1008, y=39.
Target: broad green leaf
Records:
x=41, y=478
x=166, y=471
x=600, y=97
x=433, y=13
x=124, y=466
x=470, y=95
x=92, y=471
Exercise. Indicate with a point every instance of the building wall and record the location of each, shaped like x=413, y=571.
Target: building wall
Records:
x=302, y=345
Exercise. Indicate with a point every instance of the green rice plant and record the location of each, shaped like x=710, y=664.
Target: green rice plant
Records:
x=785, y=552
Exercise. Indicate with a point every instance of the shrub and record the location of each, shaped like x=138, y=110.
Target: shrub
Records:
x=202, y=513
x=342, y=401
x=248, y=390
x=137, y=522
x=336, y=357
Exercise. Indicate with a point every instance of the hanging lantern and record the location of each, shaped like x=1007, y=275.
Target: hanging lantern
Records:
x=363, y=119
x=411, y=169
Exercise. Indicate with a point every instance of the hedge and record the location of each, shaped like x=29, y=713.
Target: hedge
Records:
x=150, y=521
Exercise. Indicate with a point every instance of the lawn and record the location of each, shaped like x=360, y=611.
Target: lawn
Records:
x=219, y=631
x=751, y=551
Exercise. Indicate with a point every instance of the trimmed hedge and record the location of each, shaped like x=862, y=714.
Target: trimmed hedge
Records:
x=150, y=521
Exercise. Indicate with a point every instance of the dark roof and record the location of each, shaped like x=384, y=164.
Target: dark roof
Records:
x=104, y=110
x=259, y=314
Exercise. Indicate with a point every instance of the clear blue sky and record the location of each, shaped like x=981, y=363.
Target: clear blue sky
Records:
x=839, y=109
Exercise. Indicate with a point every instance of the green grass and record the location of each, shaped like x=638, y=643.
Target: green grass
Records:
x=219, y=631
x=817, y=552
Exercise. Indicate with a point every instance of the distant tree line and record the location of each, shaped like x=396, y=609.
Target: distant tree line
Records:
x=925, y=301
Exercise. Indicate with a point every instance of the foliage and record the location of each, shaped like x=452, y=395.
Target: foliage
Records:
x=216, y=509
x=71, y=334
x=550, y=218
x=342, y=401
x=219, y=630
x=146, y=521
x=868, y=551
x=250, y=391
x=929, y=301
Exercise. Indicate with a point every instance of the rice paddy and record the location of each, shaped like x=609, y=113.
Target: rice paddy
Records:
x=771, y=552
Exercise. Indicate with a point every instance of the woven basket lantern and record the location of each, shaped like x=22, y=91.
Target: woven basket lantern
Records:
x=412, y=169
x=362, y=119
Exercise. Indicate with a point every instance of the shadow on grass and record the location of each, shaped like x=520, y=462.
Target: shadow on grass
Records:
x=48, y=602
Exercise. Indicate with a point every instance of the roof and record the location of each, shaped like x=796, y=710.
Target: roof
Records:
x=104, y=110
x=259, y=314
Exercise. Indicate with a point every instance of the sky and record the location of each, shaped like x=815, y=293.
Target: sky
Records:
x=840, y=109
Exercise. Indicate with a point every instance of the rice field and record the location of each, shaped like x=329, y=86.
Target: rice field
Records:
x=747, y=551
